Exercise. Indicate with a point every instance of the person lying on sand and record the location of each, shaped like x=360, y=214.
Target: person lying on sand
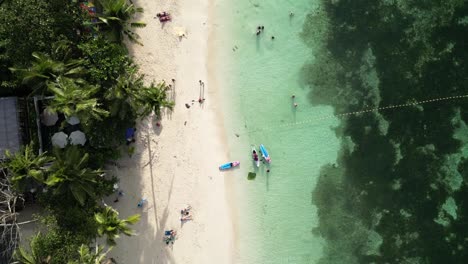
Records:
x=169, y=240
x=185, y=211
x=186, y=218
x=169, y=236
x=162, y=14
x=170, y=233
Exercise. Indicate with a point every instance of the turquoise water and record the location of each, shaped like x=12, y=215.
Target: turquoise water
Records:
x=258, y=75
x=395, y=193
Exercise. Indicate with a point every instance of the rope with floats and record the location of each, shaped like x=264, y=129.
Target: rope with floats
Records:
x=342, y=115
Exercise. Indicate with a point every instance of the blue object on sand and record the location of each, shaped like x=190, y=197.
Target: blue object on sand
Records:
x=129, y=133
x=229, y=165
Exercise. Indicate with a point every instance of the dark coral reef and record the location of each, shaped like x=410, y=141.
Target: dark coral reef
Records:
x=399, y=191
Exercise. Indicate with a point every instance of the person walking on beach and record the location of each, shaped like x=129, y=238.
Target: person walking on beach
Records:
x=201, y=96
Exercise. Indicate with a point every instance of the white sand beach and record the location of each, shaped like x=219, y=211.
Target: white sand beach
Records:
x=177, y=164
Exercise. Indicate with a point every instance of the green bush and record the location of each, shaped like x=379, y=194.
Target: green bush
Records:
x=104, y=60
x=28, y=26
x=57, y=245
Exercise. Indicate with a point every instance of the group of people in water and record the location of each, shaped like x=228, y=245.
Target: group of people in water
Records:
x=260, y=30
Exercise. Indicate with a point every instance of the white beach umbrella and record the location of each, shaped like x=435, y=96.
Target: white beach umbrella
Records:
x=60, y=139
x=49, y=118
x=73, y=120
x=77, y=138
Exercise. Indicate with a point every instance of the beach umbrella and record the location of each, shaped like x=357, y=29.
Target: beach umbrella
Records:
x=73, y=120
x=77, y=138
x=60, y=139
x=180, y=31
x=49, y=118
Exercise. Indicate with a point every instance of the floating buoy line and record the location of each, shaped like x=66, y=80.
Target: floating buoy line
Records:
x=319, y=118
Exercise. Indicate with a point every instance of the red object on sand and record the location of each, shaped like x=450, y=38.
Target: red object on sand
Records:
x=165, y=18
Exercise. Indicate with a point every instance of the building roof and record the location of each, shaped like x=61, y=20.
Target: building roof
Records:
x=10, y=136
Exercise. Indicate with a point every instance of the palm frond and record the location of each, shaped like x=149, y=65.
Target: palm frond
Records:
x=138, y=24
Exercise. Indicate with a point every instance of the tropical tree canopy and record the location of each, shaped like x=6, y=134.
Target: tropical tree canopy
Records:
x=153, y=98
x=22, y=256
x=76, y=98
x=26, y=167
x=45, y=69
x=70, y=173
x=123, y=95
x=89, y=257
x=104, y=60
x=111, y=226
x=131, y=94
x=117, y=15
x=28, y=26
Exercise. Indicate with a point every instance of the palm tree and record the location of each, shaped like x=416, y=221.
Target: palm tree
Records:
x=88, y=257
x=70, y=173
x=122, y=95
x=131, y=94
x=21, y=256
x=116, y=15
x=25, y=166
x=154, y=98
x=111, y=226
x=72, y=98
x=44, y=70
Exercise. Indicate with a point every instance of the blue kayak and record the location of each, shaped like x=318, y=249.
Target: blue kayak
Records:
x=229, y=165
x=265, y=153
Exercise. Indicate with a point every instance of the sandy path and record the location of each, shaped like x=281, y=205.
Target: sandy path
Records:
x=176, y=164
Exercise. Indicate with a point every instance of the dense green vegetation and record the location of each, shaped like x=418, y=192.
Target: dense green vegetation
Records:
x=398, y=193
x=52, y=48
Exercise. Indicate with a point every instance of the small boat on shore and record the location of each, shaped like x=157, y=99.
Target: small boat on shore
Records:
x=255, y=156
x=229, y=165
x=265, y=154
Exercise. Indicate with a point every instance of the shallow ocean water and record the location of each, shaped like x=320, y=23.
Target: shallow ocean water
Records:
x=258, y=76
x=393, y=187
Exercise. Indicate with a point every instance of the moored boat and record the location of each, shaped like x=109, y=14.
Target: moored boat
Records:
x=265, y=154
x=255, y=156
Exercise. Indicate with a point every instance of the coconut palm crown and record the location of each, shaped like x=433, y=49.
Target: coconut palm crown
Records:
x=116, y=15
x=110, y=225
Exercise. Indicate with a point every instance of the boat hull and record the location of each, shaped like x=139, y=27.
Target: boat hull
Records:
x=229, y=165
